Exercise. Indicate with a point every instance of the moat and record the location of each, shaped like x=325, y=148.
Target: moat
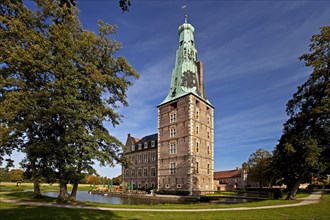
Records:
x=146, y=199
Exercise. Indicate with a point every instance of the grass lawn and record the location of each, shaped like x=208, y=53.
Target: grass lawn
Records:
x=44, y=187
x=318, y=211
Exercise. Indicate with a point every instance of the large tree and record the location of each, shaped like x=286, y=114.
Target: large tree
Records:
x=258, y=167
x=304, y=147
x=59, y=83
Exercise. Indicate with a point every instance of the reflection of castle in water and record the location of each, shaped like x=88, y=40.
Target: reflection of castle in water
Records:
x=179, y=158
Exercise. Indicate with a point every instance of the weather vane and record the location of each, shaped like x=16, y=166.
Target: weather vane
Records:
x=185, y=11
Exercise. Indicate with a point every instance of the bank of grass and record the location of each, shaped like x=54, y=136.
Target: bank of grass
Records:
x=44, y=187
x=318, y=211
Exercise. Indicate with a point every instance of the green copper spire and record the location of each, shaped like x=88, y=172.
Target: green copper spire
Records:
x=187, y=75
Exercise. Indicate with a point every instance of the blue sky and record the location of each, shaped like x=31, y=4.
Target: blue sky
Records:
x=250, y=53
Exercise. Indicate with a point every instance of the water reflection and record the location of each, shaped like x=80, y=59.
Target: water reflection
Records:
x=85, y=196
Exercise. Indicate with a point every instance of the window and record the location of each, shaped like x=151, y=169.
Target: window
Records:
x=133, y=148
x=208, y=119
x=197, y=167
x=145, y=145
x=197, y=147
x=172, y=168
x=153, y=171
x=139, y=172
x=208, y=134
x=127, y=173
x=133, y=173
x=208, y=150
x=140, y=146
x=152, y=143
x=153, y=156
x=167, y=186
x=146, y=186
x=197, y=114
x=208, y=168
x=145, y=172
x=145, y=158
x=197, y=130
x=172, y=148
x=139, y=158
x=172, y=117
x=173, y=132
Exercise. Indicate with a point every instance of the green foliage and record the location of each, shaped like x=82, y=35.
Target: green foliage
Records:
x=17, y=175
x=304, y=147
x=91, y=179
x=258, y=167
x=5, y=175
x=58, y=85
x=117, y=180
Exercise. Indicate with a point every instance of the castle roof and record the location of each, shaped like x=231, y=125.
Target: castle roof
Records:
x=227, y=174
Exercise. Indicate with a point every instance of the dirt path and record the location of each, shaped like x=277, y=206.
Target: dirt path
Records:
x=311, y=199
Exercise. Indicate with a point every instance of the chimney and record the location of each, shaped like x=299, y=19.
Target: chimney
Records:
x=200, y=78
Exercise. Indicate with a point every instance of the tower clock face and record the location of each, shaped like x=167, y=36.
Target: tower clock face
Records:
x=189, y=79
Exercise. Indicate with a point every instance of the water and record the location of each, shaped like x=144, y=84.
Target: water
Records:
x=85, y=196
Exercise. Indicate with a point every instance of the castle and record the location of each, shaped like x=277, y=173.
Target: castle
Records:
x=179, y=158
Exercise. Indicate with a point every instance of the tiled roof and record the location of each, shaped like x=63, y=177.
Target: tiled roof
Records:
x=227, y=174
x=149, y=138
x=134, y=140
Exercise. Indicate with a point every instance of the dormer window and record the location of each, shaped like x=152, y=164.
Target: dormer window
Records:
x=140, y=146
x=152, y=143
x=133, y=148
x=145, y=145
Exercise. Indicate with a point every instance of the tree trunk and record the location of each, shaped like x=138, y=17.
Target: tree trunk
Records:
x=293, y=188
x=64, y=195
x=36, y=186
x=74, y=191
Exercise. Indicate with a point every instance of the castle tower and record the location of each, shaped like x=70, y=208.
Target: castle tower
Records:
x=185, y=125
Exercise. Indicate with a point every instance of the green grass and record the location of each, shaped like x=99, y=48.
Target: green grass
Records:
x=318, y=211
x=44, y=187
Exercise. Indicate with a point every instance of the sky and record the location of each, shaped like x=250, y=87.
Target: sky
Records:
x=250, y=51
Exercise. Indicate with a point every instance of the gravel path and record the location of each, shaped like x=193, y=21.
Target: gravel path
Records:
x=311, y=199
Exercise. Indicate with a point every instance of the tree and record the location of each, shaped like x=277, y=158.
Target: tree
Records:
x=59, y=83
x=259, y=167
x=4, y=175
x=17, y=175
x=304, y=146
x=91, y=179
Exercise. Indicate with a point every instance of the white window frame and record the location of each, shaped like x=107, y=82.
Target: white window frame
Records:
x=145, y=145
x=172, y=168
x=172, y=131
x=173, y=148
x=173, y=117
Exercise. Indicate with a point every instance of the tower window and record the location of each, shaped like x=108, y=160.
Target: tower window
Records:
x=197, y=114
x=173, y=105
x=173, y=148
x=173, y=132
x=172, y=168
x=208, y=168
x=197, y=130
x=172, y=117
x=197, y=147
x=197, y=167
